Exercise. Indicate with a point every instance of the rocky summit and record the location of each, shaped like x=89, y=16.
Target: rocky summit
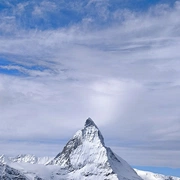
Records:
x=85, y=156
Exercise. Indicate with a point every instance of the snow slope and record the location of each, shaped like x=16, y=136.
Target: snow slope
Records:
x=154, y=176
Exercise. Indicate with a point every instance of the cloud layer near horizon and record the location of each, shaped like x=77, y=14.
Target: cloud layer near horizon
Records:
x=124, y=75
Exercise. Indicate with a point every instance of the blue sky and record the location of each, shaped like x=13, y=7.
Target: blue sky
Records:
x=114, y=61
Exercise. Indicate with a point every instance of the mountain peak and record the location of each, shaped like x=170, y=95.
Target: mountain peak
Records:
x=89, y=122
x=91, y=132
x=86, y=156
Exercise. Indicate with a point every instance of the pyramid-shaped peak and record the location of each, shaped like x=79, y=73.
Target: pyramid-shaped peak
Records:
x=89, y=122
x=85, y=156
x=91, y=132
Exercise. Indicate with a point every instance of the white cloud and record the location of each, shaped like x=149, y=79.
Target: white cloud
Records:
x=125, y=77
x=28, y=147
x=44, y=7
x=155, y=157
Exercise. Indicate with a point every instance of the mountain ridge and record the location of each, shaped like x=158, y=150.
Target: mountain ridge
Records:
x=84, y=157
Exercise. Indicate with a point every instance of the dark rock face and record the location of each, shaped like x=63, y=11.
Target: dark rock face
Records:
x=63, y=157
x=8, y=173
x=90, y=122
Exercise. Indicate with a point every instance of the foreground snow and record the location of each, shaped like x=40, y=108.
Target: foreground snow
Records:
x=29, y=171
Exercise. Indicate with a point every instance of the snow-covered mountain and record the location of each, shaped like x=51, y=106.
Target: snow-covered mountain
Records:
x=25, y=158
x=154, y=176
x=84, y=157
x=8, y=173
